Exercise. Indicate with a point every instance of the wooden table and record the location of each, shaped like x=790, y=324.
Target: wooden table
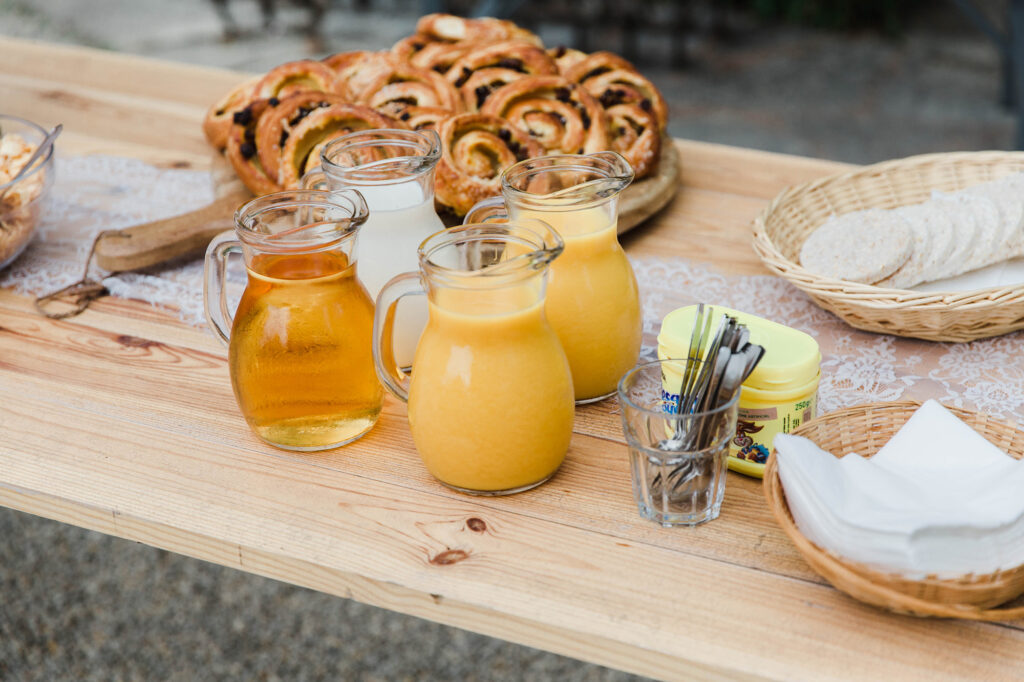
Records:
x=122, y=420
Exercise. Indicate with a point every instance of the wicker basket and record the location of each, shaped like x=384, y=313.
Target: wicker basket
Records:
x=865, y=429
x=785, y=224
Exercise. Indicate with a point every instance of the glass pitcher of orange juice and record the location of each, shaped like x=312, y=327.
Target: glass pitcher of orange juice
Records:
x=299, y=341
x=490, y=398
x=593, y=301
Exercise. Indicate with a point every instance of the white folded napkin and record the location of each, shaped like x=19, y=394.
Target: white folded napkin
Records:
x=936, y=499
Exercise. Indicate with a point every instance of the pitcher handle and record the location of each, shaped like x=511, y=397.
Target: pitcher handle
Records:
x=215, y=302
x=388, y=371
x=314, y=178
x=490, y=210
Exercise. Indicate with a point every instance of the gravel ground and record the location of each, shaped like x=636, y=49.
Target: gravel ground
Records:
x=78, y=605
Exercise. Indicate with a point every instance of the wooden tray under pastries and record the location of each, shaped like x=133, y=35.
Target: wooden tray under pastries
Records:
x=865, y=429
x=785, y=224
x=646, y=197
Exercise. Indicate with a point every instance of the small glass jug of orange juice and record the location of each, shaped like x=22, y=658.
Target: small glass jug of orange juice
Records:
x=593, y=301
x=299, y=341
x=490, y=398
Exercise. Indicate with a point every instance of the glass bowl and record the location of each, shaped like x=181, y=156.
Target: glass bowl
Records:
x=21, y=201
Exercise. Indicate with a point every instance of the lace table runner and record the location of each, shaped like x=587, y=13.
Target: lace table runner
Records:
x=97, y=192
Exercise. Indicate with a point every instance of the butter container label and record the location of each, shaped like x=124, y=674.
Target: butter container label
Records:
x=757, y=426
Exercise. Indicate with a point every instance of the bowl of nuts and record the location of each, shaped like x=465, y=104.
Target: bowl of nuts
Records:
x=24, y=183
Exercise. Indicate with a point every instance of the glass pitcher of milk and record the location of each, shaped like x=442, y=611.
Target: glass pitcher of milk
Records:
x=394, y=171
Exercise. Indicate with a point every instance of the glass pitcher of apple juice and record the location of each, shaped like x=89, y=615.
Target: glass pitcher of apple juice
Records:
x=593, y=301
x=299, y=342
x=490, y=398
x=394, y=171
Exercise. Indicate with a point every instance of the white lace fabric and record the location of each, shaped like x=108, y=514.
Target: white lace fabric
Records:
x=97, y=193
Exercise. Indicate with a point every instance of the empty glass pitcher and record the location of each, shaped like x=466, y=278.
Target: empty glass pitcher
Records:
x=299, y=342
x=593, y=301
x=490, y=399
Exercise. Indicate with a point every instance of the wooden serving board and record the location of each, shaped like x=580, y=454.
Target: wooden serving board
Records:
x=187, y=235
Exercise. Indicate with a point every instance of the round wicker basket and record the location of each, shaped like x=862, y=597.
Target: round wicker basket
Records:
x=865, y=429
x=785, y=224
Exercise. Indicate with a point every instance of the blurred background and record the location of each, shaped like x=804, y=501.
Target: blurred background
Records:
x=852, y=80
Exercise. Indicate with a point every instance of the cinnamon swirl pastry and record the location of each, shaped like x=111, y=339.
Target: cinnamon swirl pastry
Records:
x=356, y=70
x=217, y=123
x=301, y=150
x=451, y=29
x=305, y=74
x=242, y=153
x=406, y=84
x=476, y=148
x=613, y=80
x=558, y=113
x=489, y=67
x=278, y=121
x=634, y=133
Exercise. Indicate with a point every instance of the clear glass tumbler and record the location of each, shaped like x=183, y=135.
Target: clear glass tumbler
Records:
x=678, y=462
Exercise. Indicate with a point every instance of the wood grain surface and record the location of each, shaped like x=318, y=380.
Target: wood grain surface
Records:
x=122, y=420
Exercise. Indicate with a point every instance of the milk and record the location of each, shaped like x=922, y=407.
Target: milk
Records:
x=401, y=216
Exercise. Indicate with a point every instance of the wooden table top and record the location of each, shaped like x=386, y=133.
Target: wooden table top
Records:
x=122, y=420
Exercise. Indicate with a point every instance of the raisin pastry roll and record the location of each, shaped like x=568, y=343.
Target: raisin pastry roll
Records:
x=407, y=48
x=417, y=118
x=305, y=74
x=355, y=70
x=558, y=113
x=634, y=133
x=408, y=85
x=565, y=57
x=440, y=56
x=487, y=68
x=242, y=153
x=278, y=121
x=452, y=29
x=476, y=148
x=613, y=80
x=300, y=152
x=218, y=120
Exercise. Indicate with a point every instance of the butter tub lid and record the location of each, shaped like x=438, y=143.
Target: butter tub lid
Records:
x=791, y=357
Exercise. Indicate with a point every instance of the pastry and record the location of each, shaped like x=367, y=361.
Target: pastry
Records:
x=279, y=118
x=305, y=74
x=476, y=148
x=565, y=57
x=488, y=67
x=613, y=80
x=355, y=70
x=417, y=118
x=440, y=56
x=558, y=113
x=300, y=152
x=241, y=149
x=450, y=28
x=217, y=123
x=406, y=84
x=634, y=133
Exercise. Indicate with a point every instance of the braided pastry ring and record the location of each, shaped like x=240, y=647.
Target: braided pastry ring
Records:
x=301, y=151
x=241, y=150
x=560, y=114
x=409, y=85
x=634, y=133
x=475, y=149
x=305, y=74
x=218, y=120
x=278, y=120
x=489, y=67
x=613, y=80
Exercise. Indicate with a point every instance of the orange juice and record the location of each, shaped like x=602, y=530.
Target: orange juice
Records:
x=491, y=399
x=300, y=354
x=593, y=300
